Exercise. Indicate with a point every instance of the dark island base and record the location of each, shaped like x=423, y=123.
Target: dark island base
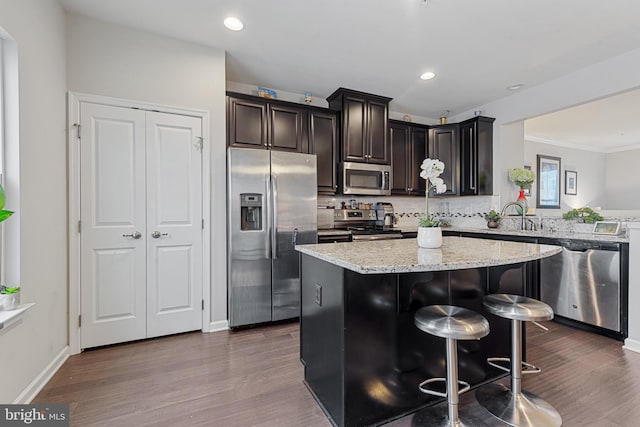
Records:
x=363, y=356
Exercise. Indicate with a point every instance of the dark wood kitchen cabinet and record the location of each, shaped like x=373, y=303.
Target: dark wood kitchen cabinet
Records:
x=476, y=156
x=323, y=142
x=364, y=133
x=408, y=150
x=247, y=122
x=443, y=145
x=260, y=123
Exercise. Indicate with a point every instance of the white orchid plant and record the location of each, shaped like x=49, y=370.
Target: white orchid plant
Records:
x=431, y=171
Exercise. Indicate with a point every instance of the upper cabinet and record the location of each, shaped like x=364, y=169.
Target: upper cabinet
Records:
x=254, y=122
x=444, y=145
x=323, y=142
x=260, y=123
x=247, y=122
x=466, y=148
x=408, y=150
x=476, y=156
x=364, y=136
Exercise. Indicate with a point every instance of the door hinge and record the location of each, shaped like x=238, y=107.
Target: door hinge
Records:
x=203, y=223
x=202, y=305
x=77, y=126
x=79, y=226
x=79, y=320
x=199, y=143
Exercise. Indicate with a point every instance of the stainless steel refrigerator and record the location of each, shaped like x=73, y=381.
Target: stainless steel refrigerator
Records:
x=272, y=206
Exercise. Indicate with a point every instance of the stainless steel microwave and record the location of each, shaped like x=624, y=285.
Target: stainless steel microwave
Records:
x=366, y=179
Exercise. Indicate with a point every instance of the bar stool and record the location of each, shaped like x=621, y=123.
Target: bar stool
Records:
x=451, y=323
x=515, y=406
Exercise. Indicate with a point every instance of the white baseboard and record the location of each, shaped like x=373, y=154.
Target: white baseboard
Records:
x=631, y=344
x=220, y=325
x=38, y=383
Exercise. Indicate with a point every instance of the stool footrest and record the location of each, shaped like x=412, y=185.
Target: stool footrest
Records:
x=465, y=387
x=527, y=368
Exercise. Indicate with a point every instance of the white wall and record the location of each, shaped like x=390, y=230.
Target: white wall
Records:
x=109, y=60
x=28, y=347
x=596, y=81
x=591, y=174
x=623, y=180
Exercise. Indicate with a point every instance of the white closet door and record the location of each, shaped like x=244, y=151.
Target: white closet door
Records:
x=113, y=249
x=174, y=223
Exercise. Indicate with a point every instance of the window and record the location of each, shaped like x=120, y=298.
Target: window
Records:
x=9, y=159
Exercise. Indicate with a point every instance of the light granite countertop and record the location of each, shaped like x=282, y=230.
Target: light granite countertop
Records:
x=621, y=238
x=404, y=256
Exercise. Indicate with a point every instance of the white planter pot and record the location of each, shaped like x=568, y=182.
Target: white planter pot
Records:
x=429, y=237
x=9, y=301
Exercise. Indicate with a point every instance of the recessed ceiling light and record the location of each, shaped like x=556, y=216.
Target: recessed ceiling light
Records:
x=428, y=75
x=516, y=86
x=233, y=23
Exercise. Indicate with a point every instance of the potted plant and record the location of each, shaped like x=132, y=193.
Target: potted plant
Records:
x=523, y=178
x=429, y=232
x=493, y=219
x=9, y=298
x=586, y=215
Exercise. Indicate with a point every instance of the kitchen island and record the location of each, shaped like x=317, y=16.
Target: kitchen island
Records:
x=362, y=354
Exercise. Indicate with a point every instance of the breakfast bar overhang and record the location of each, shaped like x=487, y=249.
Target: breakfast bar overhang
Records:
x=363, y=357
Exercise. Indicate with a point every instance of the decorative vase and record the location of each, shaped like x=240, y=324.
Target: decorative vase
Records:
x=429, y=237
x=492, y=224
x=522, y=200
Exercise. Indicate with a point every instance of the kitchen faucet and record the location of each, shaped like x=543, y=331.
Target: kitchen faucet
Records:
x=523, y=223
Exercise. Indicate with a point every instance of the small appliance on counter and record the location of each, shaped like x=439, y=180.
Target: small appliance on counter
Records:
x=368, y=224
x=385, y=215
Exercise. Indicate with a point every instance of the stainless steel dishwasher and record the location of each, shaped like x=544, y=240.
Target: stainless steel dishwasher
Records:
x=583, y=282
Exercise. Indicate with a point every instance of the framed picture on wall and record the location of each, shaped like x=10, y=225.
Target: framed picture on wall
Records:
x=571, y=182
x=548, y=179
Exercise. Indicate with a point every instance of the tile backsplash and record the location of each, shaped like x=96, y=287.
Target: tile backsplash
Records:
x=464, y=212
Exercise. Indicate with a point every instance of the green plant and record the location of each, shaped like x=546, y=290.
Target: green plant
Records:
x=586, y=215
x=522, y=177
x=429, y=221
x=6, y=290
x=493, y=216
x=3, y=213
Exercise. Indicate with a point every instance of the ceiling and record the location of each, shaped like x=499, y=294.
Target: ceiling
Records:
x=607, y=125
x=476, y=48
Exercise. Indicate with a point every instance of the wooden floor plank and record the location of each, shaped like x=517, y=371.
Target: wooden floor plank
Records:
x=254, y=377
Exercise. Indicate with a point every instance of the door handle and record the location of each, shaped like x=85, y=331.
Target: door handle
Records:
x=156, y=234
x=134, y=235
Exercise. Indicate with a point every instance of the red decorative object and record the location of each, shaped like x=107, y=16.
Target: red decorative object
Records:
x=522, y=199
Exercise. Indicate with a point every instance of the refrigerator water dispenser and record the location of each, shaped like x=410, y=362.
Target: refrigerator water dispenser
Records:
x=250, y=211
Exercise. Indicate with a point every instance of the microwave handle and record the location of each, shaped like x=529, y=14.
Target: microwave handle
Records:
x=385, y=180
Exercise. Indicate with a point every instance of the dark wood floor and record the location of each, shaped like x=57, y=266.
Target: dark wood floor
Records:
x=254, y=378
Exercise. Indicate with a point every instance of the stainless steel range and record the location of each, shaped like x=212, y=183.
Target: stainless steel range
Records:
x=368, y=224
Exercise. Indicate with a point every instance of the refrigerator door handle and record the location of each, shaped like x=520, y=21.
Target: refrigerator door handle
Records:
x=269, y=214
x=274, y=205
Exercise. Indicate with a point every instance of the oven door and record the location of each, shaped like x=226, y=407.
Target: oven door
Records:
x=366, y=179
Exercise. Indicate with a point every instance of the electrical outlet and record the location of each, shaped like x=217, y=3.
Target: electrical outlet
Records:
x=319, y=295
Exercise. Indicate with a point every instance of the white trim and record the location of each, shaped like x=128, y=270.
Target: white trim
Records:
x=206, y=215
x=74, y=100
x=38, y=383
x=220, y=325
x=8, y=318
x=632, y=345
x=582, y=147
